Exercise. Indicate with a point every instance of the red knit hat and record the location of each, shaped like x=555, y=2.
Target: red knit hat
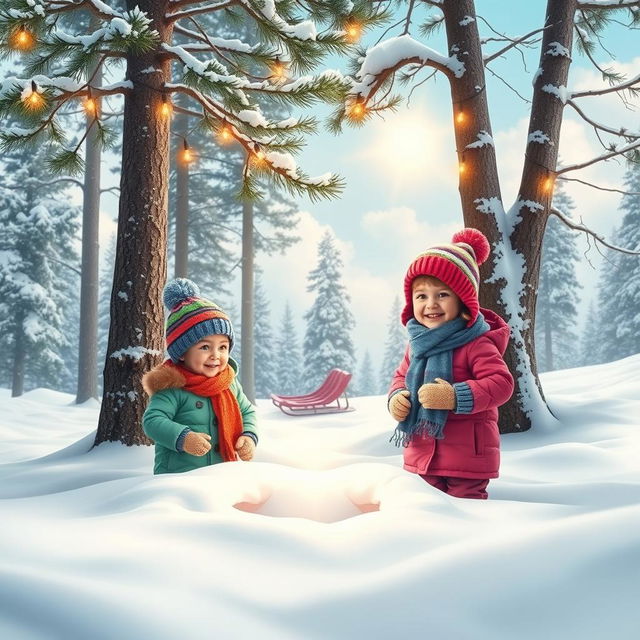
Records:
x=456, y=265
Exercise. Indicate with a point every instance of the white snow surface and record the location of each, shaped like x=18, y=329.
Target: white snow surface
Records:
x=324, y=535
x=561, y=92
x=484, y=139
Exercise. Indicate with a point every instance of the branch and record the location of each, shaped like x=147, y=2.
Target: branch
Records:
x=606, y=156
x=512, y=44
x=408, y=20
x=97, y=8
x=63, y=179
x=620, y=87
x=495, y=75
x=596, y=125
x=64, y=264
x=580, y=227
x=608, y=4
x=595, y=186
x=180, y=15
x=110, y=189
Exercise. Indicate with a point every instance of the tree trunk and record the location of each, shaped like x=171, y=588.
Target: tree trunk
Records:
x=136, y=336
x=19, y=359
x=90, y=278
x=181, y=269
x=247, y=376
x=531, y=212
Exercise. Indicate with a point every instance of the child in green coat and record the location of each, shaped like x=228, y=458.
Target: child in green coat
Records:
x=198, y=414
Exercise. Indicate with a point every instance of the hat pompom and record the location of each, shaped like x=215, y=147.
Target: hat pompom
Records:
x=178, y=291
x=476, y=240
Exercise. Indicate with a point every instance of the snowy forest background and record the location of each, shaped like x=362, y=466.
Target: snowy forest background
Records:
x=40, y=236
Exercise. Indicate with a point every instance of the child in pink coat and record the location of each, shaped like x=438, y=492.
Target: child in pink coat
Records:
x=446, y=392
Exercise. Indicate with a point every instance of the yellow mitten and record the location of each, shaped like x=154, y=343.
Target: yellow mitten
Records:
x=438, y=395
x=197, y=444
x=400, y=405
x=245, y=447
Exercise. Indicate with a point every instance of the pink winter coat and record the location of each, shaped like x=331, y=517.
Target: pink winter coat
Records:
x=471, y=444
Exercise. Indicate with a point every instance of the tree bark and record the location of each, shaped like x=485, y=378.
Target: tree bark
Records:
x=531, y=212
x=19, y=360
x=136, y=336
x=90, y=279
x=247, y=374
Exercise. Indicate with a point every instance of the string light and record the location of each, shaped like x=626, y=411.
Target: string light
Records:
x=278, y=70
x=462, y=165
x=187, y=155
x=34, y=100
x=460, y=117
x=258, y=155
x=224, y=134
x=166, y=108
x=22, y=39
x=353, y=31
x=357, y=110
x=90, y=105
x=548, y=184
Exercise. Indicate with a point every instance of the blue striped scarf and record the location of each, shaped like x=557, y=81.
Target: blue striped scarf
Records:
x=432, y=357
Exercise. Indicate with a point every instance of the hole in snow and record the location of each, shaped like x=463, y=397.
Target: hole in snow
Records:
x=320, y=510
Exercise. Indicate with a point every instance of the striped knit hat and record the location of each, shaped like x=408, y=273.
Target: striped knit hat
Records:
x=456, y=265
x=191, y=318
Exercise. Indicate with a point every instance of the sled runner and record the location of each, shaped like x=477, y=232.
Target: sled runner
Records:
x=330, y=397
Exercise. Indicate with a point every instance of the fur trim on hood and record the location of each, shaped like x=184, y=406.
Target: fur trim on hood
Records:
x=161, y=378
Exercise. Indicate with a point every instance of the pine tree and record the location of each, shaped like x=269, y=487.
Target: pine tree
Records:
x=365, y=384
x=327, y=342
x=38, y=233
x=619, y=292
x=214, y=77
x=557, y=303
x=394, y=346
x=287, y=357
x=591, y=351
x=264, y=342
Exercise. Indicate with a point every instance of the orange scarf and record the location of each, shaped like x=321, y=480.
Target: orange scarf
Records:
x=224, y=402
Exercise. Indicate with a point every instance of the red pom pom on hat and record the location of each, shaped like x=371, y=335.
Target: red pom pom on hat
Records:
x=476, y=240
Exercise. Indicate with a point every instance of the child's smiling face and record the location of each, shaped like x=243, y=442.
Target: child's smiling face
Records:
x=207, y=357
x=434, y=303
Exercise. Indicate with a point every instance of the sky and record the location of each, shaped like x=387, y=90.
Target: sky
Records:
x=323, y=535
x=401, y=177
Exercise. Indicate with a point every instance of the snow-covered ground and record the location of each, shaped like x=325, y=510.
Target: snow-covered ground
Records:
x=324, y=535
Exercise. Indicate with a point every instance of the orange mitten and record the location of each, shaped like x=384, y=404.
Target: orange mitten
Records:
x=400, y=405
x=245, y=447
x=197, y=444
x=438, y=395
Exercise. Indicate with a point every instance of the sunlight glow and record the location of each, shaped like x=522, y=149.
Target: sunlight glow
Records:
x=411, y=149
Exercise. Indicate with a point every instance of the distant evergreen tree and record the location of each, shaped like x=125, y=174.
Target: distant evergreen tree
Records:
x=394, y=347
x=327, y=341
x=264, y=341
x=38, y=235
x=286, y=357
x=365, y=383
x=557, y=307
x=619, y=290
x=591, y=351
x=104, y=299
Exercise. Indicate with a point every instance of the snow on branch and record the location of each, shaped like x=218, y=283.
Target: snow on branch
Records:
x=385, y=58
x=208, y=8
x=484, y=139
x=608, y=4
x=629, y=84
x=606, y=156
x=581, y=227
x=95, y=6
x=266, y=11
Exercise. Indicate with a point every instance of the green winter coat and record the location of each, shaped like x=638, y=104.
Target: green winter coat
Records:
x=171, y=409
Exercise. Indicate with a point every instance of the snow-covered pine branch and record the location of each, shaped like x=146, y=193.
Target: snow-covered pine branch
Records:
x=615, y=151
x=608, y=4
x=632, y=84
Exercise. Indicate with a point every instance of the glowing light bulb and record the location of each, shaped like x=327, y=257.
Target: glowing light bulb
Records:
x=461, y=168
x=90, y=106
x=34, y=100
x=548, y=184
x=353, y=31
x=22, y=39
x=187, y=156
x=278, y=70
x=357, y=111
x=166, y=108
x=460, y=117
x=225, y=136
